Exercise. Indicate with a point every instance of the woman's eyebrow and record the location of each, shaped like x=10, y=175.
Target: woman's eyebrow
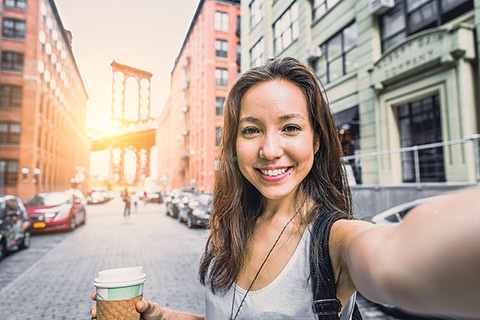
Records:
x=281, y=118
x=291, y=116
x=248, y=119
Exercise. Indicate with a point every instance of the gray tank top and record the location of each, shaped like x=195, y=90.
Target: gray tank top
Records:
x=288, y=296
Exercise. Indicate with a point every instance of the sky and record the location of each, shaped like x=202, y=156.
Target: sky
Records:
x=145, y=34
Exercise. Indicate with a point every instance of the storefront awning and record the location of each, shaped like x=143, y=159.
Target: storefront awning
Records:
x=345, y=117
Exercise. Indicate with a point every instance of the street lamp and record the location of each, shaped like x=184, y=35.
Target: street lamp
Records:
x=25, y=172
x=36, y=173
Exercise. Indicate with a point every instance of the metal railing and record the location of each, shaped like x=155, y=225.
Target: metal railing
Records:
x=455, y=161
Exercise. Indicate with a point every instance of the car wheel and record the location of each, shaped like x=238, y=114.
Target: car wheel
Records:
x=27, y=240
x=84, y=218
x=73, y=223
x=189, y=222
x=3, y=250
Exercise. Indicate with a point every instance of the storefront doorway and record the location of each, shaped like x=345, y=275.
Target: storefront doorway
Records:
x=420, y=123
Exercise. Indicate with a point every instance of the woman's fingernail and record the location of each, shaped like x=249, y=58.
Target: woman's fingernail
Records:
x=141, y=305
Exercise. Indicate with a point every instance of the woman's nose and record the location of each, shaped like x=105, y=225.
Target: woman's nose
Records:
x=271, y=147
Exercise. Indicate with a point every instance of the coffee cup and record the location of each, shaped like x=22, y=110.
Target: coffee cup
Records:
x=118, y=290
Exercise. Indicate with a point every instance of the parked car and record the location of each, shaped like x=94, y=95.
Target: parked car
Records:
x=175, y=199
x=57, y=210
x=14, y=225
x=392, y=216
x=97, y=197
x=154, y=197
x=397, y=213
x=196, y=212
x=170, y=209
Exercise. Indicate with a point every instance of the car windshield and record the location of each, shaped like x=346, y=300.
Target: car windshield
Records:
x=49, y=199
x=392, y=218
x=205, y=200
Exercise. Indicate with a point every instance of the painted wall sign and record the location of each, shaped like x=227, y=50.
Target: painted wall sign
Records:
x=421, y=50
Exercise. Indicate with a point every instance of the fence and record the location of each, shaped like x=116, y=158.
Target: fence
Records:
x=456, y=161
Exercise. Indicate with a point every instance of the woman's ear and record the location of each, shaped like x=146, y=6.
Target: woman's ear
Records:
x=316, y=144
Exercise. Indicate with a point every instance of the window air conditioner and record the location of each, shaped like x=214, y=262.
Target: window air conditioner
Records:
x=377, y=7
x=314, y=53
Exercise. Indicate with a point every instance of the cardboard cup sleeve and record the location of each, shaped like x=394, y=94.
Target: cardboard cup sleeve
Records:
x=118, y=309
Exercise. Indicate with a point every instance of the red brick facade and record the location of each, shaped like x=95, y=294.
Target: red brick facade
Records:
x=53, y=102
x=188, y=123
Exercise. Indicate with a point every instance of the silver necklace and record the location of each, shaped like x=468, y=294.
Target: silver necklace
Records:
x=259, y=269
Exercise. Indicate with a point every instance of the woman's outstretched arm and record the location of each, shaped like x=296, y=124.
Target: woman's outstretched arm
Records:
x=429, y=263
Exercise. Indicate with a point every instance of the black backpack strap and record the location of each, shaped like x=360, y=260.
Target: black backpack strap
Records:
x=325, y=302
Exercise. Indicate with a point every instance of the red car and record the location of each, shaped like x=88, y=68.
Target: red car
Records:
x=57, y=210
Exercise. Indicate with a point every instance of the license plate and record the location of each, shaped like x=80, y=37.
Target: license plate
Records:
x=38, y=225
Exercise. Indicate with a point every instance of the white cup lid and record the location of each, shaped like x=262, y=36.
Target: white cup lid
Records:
x=120, y=277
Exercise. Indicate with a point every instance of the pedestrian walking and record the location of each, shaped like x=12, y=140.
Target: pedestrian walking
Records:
x=283, y=243
x=145, y=198
x=128, y=203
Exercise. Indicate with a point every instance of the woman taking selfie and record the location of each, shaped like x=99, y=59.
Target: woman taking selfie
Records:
x=283, y=243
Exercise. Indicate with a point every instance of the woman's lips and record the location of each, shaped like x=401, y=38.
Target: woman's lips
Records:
x=277, y=177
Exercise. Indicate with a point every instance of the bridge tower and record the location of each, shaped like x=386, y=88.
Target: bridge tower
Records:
x=131, y=115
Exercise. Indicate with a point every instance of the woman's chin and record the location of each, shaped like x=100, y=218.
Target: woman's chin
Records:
x=276, y=193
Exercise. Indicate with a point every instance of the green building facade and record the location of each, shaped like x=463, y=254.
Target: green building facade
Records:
x=397, y=74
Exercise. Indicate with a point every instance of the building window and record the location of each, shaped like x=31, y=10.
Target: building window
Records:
x=239, y=54
x=221, y=48
x=238, y=26
x=256, y=12
x=9, y=133
x=257, y=55
x=218, y=136
x=419, y=123
x=221, y=21
x=12, y=61
x=338, y=55
x=411, y=16
x=219, y=102
x=8, y=172
x=221, y=77
x=16, y=4
x=348, y=126
x=14, y=28
x=10, y=96
x=286, y=28
x=319, y=7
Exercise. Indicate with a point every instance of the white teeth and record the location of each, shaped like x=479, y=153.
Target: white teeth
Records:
x=273, y=173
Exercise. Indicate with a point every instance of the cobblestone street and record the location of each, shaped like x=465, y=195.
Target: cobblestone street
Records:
x=53, y=279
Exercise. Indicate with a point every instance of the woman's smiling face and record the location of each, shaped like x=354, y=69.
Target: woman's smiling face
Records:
x=275, y=140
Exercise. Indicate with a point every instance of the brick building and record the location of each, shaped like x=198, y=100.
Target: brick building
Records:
x=190, y=124
x=43, y=141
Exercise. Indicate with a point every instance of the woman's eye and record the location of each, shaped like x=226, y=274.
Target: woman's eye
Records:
x=249, y=131
x=291, y=128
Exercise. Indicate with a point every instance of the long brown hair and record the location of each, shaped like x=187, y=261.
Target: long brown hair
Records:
x=237, y=203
